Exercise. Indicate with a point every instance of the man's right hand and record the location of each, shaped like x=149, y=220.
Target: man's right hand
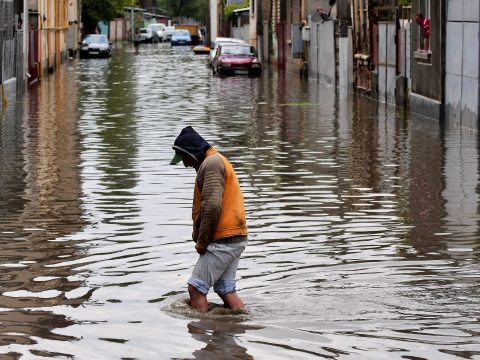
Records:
x=200, y=249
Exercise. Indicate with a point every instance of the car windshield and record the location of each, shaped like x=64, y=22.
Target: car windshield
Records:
x=96, y=40
x=181, y=33
x=143, y=31
x=237, y=50
x=157, y=27
x=222, y=43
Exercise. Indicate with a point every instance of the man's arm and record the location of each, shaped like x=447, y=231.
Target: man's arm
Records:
x=211, y=178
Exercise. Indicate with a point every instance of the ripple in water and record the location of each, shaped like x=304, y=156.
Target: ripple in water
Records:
x=180, y=307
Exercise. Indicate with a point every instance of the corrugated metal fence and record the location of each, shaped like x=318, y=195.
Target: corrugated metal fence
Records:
x=322, y=62
x=241, y=32
x=11, y=45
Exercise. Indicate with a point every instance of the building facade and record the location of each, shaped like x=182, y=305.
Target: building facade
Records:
x=462, y=97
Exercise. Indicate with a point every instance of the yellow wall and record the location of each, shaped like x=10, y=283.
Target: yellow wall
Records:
x=54, y=19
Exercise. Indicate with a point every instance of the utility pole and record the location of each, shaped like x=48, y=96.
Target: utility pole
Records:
x=132, y=24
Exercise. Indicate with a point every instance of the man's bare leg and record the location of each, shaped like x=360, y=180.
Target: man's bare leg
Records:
x=233, y=301
x=197, y=300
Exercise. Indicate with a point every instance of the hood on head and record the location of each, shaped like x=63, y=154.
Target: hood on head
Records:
x=190, y=142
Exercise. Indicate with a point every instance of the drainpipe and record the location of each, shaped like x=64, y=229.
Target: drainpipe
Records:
x=259, y=33
x=443, y=47
x=26, y=32
x=132, y=24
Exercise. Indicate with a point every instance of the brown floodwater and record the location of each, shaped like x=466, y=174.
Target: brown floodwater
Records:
x=364, y=220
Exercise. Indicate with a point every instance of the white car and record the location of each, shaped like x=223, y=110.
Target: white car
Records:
x=145, y=35
x=167, y=33
x=157, y=30
x=220, y=41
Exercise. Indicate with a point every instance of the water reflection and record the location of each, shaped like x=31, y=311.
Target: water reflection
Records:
x=220, y=339
x=363, y=219
x=107, y=115
x=41, y=207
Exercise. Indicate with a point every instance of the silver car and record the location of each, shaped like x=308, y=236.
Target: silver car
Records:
x=95, y=46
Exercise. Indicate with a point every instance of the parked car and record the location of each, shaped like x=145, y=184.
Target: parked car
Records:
x=145, y=35
x=218, y=41
x=193, y=29
x=234, y=59
x=167, y=33
x=95, y=46
x=181, y=37
x=157, y=31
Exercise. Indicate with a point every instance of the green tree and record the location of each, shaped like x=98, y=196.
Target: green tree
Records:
x=94, y=11
x=196, y=9
x=228, y=10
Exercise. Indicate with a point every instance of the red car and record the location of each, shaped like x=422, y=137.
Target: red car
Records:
x=234, y=59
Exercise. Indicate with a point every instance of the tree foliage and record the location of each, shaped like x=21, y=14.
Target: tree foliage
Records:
x=196, y=9
x=94, y=11
x=228, y=10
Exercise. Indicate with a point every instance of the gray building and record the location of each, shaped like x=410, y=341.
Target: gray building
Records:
x=445, y=81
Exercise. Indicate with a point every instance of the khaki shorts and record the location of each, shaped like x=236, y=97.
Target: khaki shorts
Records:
x=217, y=267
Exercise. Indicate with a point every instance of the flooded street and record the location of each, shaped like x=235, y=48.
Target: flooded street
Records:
x=364, y=238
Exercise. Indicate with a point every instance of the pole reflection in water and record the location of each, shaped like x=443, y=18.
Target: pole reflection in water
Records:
x=363, y=220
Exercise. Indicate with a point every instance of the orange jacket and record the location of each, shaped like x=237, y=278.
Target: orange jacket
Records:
x=220, y=213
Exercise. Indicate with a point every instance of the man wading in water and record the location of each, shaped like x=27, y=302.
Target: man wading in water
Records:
x=219, y=221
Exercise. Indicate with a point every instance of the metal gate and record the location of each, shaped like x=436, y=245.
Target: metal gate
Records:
x=387, y=63
x=322, y=62
x=281, y=45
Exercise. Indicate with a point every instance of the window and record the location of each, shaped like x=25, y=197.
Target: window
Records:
x=422, y=19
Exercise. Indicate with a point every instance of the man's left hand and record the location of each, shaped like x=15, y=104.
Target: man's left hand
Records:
x=200, y=249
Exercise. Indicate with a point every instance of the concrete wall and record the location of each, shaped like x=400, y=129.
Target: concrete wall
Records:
x=118, y=29
x=462, y=63
x=213, y=29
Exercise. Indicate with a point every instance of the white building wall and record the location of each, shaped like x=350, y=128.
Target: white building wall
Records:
x=213, y=20
x=462, y=63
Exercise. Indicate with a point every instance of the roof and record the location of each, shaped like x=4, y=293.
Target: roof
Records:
x=242, y=10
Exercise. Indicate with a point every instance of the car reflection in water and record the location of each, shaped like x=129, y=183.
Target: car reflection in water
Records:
x=234, y=59
x=95, y=46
